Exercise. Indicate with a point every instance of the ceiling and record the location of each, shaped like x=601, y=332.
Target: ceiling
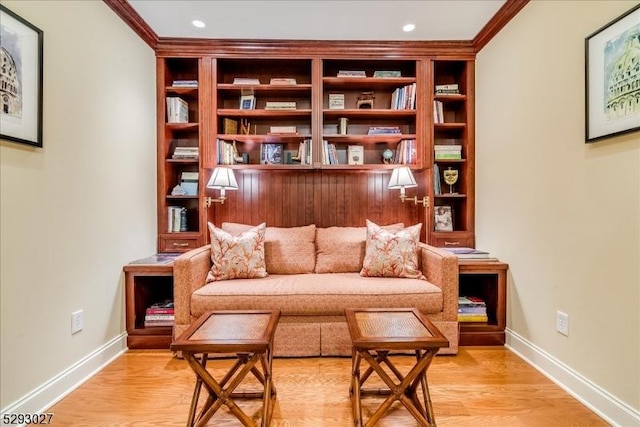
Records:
x=318, y=19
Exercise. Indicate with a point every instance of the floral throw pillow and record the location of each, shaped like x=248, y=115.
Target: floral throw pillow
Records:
x=389, y=254
x=237, y=257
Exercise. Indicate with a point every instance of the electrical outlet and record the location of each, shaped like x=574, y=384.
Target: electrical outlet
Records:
x=562, y=323
x=77, y=320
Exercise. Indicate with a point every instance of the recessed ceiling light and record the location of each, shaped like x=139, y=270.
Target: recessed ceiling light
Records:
x=197, y=23
x=409, y=27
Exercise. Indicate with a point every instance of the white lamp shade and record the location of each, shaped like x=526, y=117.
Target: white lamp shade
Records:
x=223, y=179
x=401, y=178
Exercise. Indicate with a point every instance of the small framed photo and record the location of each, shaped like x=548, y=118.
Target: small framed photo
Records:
x=248, y=102
x=21, y=100
x=272, y=154
x=443, y=218
x=612, y=78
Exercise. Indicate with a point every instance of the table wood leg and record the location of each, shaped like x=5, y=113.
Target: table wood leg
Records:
x=354, y=390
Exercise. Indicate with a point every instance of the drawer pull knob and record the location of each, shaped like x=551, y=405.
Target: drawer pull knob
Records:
x=452, y=243
x=181, y=245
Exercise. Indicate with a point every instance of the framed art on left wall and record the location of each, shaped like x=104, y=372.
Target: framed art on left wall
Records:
x=20, y=79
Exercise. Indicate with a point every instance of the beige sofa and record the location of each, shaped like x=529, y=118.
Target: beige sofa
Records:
x=313, y=275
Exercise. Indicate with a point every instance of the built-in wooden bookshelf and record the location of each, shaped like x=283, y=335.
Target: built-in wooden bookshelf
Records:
x=315, y=189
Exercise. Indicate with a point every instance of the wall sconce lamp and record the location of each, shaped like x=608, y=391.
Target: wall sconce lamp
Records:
x=222, y=179
x=402, y=178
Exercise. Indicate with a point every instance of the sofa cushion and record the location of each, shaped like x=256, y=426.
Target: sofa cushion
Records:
x=341, y=249
x=237, y=257
x=317, y=294
x=390, y=254
x=287, y=250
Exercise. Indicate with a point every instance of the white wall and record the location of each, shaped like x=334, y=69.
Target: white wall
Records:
x=564, y=214
x=74, y=212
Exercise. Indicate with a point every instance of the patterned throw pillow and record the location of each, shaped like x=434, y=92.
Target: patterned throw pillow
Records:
x=237, y=257
x=389, y=254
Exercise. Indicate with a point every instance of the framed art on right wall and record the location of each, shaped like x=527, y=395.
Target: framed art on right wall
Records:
x=612, y=61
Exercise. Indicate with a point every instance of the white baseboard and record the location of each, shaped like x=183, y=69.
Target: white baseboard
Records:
x=54, y=390
x=598, y=400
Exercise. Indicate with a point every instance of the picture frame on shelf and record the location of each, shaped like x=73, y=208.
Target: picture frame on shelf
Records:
x=612, y=84
x=21, y=101
x=247, y=102
x=443, y=218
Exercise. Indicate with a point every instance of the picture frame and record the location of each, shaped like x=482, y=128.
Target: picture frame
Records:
x=612, y=84
x=247, y=102
x=21, y=88
x=443, y=218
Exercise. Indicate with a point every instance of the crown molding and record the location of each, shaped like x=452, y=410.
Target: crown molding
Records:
x=498, y=22
x=128, y=14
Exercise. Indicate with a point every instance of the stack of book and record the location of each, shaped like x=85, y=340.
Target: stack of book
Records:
x=472, y=309
x=228, y=153
x=185, y=83
x=450, y=89
x=189, y=183
x=160, y=314
x=351, y=73
x=329, y=153
x=177, y=110
x=471, y=253
x=444, y=152
x=383, y=130
x=245, y=81
x=185, y=153
x=283, y=81
x=280, y=105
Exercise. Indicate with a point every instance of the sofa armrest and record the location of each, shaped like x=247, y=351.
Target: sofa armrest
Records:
x=189, y=273
x=441, y=268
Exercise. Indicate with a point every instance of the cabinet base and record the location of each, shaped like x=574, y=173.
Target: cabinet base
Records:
x=482, y=338
x=149, y=342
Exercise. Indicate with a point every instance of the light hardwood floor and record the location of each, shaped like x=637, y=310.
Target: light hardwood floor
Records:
x=481, y=386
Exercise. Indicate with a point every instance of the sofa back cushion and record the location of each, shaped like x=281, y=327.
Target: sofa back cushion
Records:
x=289, y=250
x=237, y=257
x=342, y=249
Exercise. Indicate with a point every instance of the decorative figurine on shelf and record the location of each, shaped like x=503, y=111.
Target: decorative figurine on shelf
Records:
x=365, y=101
x=245, y=127
x=450, y=177
x=387, y=156
x=178, y=191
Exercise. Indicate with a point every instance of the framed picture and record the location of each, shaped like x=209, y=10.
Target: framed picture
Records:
x=443, y=218
x=271, y=154
x=613, y=78
x=20, y=80
x=247, y=102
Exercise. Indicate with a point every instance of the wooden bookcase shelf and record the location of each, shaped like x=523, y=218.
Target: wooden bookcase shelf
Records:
x=488, y=281
x=316, y=126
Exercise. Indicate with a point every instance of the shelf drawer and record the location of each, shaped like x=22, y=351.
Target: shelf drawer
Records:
x=452, y=240
x=178, y=243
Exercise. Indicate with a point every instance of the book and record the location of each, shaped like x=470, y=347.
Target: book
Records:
x=177, y=110
x=282, y=129
x=387, y=74
x=351, y=73
x=282, y=81
x=355, y=154
x=185, y=83
x=336, y=101
x=189, y=183
x=280, y=105
x=229, y=126
x=468, y=253
x=384, y=130
x=164, y=259
x=185, y=153
x=472, y=317
x=245, y=81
